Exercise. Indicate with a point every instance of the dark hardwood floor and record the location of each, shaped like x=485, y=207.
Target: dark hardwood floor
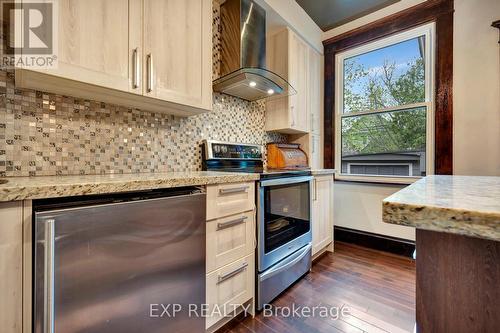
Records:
x=378, y=289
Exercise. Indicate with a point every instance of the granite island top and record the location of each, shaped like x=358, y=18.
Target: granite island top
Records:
x=40, y=187
x=464, y=205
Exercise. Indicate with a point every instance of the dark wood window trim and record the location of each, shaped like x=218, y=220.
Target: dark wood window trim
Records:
x=438, y=11
x=496, y=24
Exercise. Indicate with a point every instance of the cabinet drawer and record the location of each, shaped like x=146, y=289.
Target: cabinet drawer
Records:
x=230, y=238
x=230, y=285
x=229, y=199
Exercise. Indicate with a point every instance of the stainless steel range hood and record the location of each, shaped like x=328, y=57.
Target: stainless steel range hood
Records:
x=243, y=54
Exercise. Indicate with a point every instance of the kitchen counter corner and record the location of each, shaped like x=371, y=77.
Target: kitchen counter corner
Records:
x=464, y=205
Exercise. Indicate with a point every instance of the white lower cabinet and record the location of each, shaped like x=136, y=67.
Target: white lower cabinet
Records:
x=11, y=270
x=15, y=266
x=228, y=199
x=228, y=287
x=322, y=218
x=229, y=238
x=230, y=261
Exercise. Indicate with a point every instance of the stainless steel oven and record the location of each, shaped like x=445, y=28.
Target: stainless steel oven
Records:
x=284, y=234
x=284, y=218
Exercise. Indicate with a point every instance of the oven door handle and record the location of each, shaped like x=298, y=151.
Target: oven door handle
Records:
x=286, y=263
x=285, y=181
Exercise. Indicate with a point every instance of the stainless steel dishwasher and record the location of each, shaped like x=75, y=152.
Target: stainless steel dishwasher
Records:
x=116, y=263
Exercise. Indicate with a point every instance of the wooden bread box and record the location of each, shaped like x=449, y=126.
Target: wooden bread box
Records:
x=287, y=156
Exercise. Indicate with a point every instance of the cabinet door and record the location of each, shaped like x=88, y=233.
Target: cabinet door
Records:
x=315, y=93
x=322, y=232
x=95, y=44
x=315, y=155
x=298, y=76
x=178, y=51
x=11, y=259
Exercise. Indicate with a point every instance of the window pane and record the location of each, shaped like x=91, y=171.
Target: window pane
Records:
x=387, y=77
x=385, y=143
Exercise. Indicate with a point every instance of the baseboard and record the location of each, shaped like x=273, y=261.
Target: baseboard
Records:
x=384, y=243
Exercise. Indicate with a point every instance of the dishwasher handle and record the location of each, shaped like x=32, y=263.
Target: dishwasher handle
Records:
x=48, y=264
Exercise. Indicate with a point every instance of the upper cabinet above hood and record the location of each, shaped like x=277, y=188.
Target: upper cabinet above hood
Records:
x=243, y=54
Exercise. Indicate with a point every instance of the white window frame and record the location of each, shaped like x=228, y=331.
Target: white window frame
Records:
x=409, y=165
x=427, y=30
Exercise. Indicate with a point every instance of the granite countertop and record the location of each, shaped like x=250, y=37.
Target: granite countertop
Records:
x=320, y=172
x=465, y=205
x=22, y=188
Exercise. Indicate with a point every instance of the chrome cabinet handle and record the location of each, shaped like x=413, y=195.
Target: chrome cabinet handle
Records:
x=136, y=79
x=229, y=275
x=49, y=276
x=233, y=190
x=149, y=60
x=315, y=189
x=232, y=223
x=292, y=108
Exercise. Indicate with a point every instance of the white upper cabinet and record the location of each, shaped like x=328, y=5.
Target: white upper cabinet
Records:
x=177, y=43
x=315, y=152
x=150, y=54
x=94, y=42
x=298, y=76
x=315, y=91
x=288, y=56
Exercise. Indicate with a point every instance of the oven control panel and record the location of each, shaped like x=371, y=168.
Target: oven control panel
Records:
x=224, y=150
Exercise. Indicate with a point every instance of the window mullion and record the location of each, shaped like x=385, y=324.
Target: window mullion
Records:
x=396, y=108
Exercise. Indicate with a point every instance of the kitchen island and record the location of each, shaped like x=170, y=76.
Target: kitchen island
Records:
x=457, y=221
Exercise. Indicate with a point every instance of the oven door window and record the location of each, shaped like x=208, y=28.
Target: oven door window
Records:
x=286, y=213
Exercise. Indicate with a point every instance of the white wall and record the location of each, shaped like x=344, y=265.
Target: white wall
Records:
x=476, y=91
x=359, y=206
x=476, y=112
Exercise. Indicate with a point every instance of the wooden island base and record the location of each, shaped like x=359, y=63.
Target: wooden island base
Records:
x=458, y=283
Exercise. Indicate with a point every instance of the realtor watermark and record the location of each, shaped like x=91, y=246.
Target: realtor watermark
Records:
x=207, y=311
x=196, y=310
x=299, y=311
x=29, y=33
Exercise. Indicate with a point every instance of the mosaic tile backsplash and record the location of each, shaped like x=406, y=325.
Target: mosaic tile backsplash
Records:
x=46, y=134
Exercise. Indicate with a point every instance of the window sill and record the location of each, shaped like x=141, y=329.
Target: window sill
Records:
x=377, y=179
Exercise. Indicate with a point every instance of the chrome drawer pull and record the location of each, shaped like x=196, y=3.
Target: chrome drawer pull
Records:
x=233, y=190
x=136, y=70
x=232, y=223
x=150, y=83
x=227, y=276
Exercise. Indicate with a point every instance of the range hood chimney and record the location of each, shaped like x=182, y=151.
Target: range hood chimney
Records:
x=243, y=54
